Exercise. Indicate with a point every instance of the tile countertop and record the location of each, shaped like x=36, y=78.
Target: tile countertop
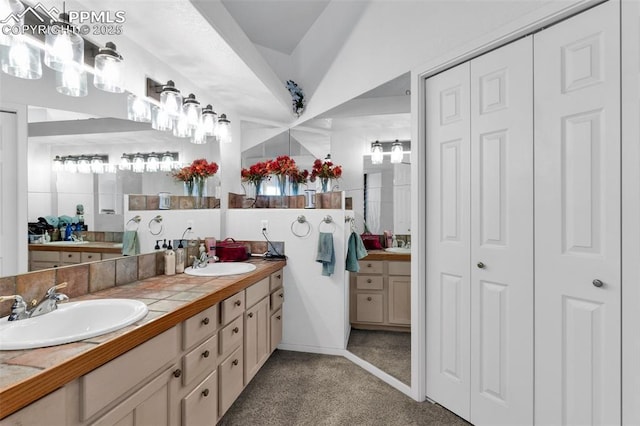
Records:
x=385, y=255
x=96, y=246
x=27, y=375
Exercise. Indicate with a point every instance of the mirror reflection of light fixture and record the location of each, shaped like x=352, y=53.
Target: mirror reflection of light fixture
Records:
x=70, y=165
x=224, y=129
x=138, y=109
x=125, y=162
x=376, y=153
x=167, y=162
x=84, y=165
x=171, y=99
x=138, y=163
x=181, y=128
x=14, y=8
x=63, y=45
x=397, y=152
x=160, y=120
x=153, y=162
x=21, y=59
x=209, y=120
x=108, y=66
x=72, y=81
x=58, y=164
x=97, y=165
x=191, y=109
x=199, y=137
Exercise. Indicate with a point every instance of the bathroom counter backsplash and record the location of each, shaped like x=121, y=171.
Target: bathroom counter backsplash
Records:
x=163, y=295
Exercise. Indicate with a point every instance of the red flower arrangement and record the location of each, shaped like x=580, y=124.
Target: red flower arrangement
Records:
x=297, y=176
x=325, y=170
x=282, y=165
x=200, y=168
x=255, y=173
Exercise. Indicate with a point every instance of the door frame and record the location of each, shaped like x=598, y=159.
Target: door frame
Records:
x=547, y=15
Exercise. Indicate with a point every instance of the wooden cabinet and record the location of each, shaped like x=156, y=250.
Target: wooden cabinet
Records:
x=53, y=406
x=380, y=295
x=200, y=406
x=52, y=259
x=276, y=329
x=231, y=380
x=276, y=300
x=256, y=338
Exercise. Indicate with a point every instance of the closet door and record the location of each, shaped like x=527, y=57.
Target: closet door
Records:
x=502, y=236
x=577, y=220
x=448, y=251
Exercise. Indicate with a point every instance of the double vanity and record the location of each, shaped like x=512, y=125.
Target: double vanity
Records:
x=201, y=342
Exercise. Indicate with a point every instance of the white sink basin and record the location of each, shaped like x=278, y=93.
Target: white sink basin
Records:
x=71, y=322
x=67, y=243
x=399, y=250
x=220, y=269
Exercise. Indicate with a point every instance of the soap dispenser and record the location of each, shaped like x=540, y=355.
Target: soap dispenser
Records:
x=169, y=261
x=180, y=258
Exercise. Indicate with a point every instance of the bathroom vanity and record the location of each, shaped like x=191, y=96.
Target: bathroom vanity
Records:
x=53, y=255
x=185, y=366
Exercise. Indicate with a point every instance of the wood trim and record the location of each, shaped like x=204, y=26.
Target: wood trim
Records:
x=384, y=255
x=89, y=247
x=21, y=394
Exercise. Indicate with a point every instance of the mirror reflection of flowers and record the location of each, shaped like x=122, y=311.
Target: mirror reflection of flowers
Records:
x=202, y=169
x=297, y=97
x=325, y=170
x=255, y=173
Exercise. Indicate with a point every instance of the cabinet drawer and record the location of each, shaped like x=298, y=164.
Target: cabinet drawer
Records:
x=70, y=256
x=107, y=383
x=200, y=406
x=90, y=257
x=370, y=267
x=45, y=256
x=369, y=307
x=230, y=380
x=277, y=298
x=231, y=336
x=36, y=266
x=106, y=256
x=199, y=327
x=200, y=359
x=276, y=329
x=399, y=268
x=369, y=282
x=232, y=308
x=276, y=280
x=256, y=292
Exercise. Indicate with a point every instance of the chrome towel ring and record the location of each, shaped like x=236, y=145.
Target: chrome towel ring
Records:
x=327, y=220
x=155, y=224
x=302, y=221
x=133, y=223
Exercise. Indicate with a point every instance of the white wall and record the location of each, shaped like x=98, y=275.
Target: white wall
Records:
x=315, y=311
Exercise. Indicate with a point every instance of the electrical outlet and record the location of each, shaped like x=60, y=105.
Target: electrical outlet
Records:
x=264, y=225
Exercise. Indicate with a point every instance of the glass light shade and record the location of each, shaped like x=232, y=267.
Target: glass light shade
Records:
x=191, y=109
x=125, y=162
x=181, y=128
x=21, y=59
x=70, y=165
x=15, y=8
x=138, y=109
x=153, y=163
x=209, y=121
x=171, y=100
x=109, y=73
x=224, y=129
x=160, y=120
x=97, y=165
x=376, y=153
x=72, y=82
x=138, y=163
x=84, y=165
x=199, y=137
x=397, y=153
x=63, y=46
x=166, y=165
x=58, y=164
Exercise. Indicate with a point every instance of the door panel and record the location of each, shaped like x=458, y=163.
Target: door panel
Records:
x=448, y=253
x=577, y=219
x=8, y=193
x=502, y=236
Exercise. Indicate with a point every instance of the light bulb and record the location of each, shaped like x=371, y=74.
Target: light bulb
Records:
x=171, y=100
x=21, y=60
x=62, y=48
x=397, y=152
x=138, y=109
x=108, y=70
x=376, y=153
x=125, y=162
x=72, y=81
x=153, y=164
x=199, y=137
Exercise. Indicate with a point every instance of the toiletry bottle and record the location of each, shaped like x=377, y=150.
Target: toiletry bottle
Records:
x=201, y=251
x=394, y=241
x=180, y=258
x=47, y=237
x=210, y=244
x=169, y=262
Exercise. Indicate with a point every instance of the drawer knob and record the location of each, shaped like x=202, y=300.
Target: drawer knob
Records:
x=235, y=362
x=369, y=298
x=89, y=257
x=369, y=265
x=69, y=255
x=205, y=393
x=177, y=373
x=278, y=317
x=205, y=354
x=236, y=330
x=597, y=283
x=205, y=321
x=481, y=265
x=278, y=276
x=238, y=302
x=250, y=314
x=369, y=281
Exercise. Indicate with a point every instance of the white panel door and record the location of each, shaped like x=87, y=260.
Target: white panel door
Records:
x=631, y=212
x=502, y=236
x=8, y=194
x=577, y=220
x=448, y=252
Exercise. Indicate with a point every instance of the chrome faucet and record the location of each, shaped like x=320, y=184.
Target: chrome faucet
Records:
x=48, y=303
x=203, y=260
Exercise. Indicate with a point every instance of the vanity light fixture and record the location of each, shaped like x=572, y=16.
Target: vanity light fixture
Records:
x=72, y=81
x=397, y=152
x=21, y=59
x=224, y=129
x=153, y=163
x=13, y=8
x=209, y=121
x=108, y=75
x=171, y=99
x=63, y=45
x=138, y=109
x=191, y=109
x=84, y=165
x=97, y=164
x=168, y=161
x=58, y=164
x=181, y=127
x=138, y=163
x=160, y=120
x=376, y=153
x=70, y=164
x=199, y=137
x=125, y=162
x=150, y=162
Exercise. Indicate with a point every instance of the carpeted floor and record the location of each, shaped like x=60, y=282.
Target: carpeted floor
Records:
x=390, y=351
x=295, y=388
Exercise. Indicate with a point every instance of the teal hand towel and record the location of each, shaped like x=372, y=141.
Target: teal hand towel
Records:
x=326, y=254
x=355, y=251
x=130, y=243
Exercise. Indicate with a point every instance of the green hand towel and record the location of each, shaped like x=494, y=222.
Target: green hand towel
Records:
x=130, y=243
x=326, y=254
x=355, y=251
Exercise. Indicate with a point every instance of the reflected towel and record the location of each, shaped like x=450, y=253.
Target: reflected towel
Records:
x=355, y=251
x=130, y=243
x=326, y=254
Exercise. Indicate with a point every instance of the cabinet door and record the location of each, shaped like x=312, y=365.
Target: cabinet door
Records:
x=200, y=406
x=448, y=250
x=369, y=307
x=502, y=235
x=230, y=382
x=400, y=300
x=276, y=329
x=256, y=338
x=577, y=219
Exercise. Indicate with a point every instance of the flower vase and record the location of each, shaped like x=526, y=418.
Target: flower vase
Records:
x=295, y=188
x=252, y=190
x=283, y=202
x=324, y=184
x=188, y=187
x=199, y=192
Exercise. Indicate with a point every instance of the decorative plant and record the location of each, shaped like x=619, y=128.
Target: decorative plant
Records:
x=299, y=177
x=183, y=175
x=200, y=168
x=282, y=165
x=255, y=173
x=325, y=170
x=297, y=97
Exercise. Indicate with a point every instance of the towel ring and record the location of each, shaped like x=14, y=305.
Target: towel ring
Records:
x=136, y=221
x=328, y=220
x=158, y=220
x=302, y=220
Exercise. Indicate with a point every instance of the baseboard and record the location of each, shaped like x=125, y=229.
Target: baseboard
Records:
x=312, y=349
x=385, y=377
